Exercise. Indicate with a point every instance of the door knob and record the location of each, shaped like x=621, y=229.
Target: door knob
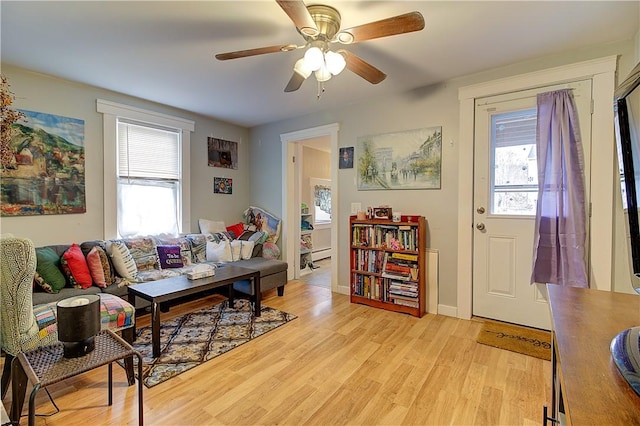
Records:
x=480, y=210
x=480, y=226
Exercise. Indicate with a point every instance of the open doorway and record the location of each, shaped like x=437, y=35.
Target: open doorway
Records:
x=302, y=174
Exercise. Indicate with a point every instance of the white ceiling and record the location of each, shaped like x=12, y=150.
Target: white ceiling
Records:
x=164, y=51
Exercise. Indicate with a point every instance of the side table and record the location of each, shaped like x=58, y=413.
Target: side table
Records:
x=46, y=365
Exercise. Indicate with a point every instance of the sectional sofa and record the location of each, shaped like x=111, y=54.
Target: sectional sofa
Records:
x=112, y=265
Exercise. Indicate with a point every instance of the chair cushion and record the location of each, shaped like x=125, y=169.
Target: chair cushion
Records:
x=115, y=313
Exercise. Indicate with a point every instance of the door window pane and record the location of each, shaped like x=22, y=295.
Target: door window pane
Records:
x=514, y=171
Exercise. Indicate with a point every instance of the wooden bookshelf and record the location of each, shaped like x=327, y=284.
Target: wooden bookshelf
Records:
x=388, y=268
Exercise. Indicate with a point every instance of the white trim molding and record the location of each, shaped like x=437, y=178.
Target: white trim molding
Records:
x=110, y=113
x=291, y=210
x=602, y=73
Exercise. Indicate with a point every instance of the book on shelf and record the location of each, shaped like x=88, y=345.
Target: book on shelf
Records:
x=400, y=266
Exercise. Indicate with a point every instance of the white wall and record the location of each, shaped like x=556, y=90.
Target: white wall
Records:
x=435, y=105
x=38, y=92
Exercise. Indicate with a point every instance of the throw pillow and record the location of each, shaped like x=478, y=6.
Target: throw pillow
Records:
x=122, y=260
x=143, y=252
x=246, y=235
x=48, y=267
x=39, y=282
x=169, y=257
x=219, y=252
x=211, y=226
x=99, y=267
x=247, y=249
x=236, y=249
x=183, y=243
x=270, y=250
x=75, y=266
x=236, y=230
x=199, y=246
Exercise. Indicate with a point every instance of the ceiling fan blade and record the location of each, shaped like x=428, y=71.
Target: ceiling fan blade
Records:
x=359, y=66
x=295, y=82
x=253, y=52
x=300, y=16
x=401, y=24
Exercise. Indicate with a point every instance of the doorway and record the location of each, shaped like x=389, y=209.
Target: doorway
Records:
x=505, y=198
x=602, y=74
x=293, y=148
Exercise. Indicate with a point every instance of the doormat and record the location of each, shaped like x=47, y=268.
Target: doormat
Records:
x=194, y=338
x=515, y=338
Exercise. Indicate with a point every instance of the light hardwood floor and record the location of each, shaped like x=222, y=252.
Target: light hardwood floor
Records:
x=336, y=364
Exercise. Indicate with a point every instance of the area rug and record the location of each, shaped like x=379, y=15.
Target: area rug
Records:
x=524, y=340
x=197, y=337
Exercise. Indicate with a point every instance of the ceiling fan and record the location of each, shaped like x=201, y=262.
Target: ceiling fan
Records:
x=319, y=25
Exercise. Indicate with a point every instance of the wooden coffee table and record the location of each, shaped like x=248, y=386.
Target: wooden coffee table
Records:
x=173, y=288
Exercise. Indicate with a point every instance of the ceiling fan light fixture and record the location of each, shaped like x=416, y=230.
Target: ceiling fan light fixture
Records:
x=323, y=74
x=302, y=68
x=335, y=62
x=345, y=37
x=314, y=58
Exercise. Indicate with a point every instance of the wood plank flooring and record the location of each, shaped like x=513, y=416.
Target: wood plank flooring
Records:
x=336, y=364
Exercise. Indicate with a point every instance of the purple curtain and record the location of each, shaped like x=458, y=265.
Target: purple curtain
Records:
x=560, y=230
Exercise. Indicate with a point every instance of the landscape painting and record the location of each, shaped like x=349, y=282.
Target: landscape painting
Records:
x=45, y=172
x=402, y=160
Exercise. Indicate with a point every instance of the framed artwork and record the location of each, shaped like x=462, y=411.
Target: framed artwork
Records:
x=402, y=160
x=382, y=213
x=222, y=185
x=222, y=153
x=346, y=158
x=45, y=171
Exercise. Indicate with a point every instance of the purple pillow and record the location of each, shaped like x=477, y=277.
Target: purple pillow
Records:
x=170, y=257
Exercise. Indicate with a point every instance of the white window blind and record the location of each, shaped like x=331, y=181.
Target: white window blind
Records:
x=148, y=152
x=149, y=179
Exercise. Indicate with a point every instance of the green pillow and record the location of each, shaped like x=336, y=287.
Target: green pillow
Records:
x=48, y=267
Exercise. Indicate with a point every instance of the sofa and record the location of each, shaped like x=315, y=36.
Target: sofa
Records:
x=114, y=264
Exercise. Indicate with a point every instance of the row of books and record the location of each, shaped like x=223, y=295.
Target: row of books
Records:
x=400, y=266
x=367, y=260
x=378, y=236
x=386, y=290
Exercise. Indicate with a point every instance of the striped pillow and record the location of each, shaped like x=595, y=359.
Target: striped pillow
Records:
x=122, y=260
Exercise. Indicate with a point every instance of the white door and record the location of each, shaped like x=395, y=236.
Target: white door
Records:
x=505, y=196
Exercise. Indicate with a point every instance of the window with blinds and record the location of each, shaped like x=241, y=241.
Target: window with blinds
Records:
x=514, y=171
x=149, y=179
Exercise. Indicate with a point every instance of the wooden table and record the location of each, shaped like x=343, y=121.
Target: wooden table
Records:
x=173, y=288
x=47, y=365
x=587, y=385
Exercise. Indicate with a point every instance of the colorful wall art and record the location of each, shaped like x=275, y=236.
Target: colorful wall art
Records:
x=402, y=160
x=46, y=174
x=222, y=153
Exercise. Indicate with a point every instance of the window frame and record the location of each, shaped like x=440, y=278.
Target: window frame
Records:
x=111, y=111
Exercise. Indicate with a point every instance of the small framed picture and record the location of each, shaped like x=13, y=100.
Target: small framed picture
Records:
x=222, y=185
x=382, y=213
x=346, y=158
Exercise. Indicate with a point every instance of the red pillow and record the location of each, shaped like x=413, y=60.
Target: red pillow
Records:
x=77, y=264
x=237, y=229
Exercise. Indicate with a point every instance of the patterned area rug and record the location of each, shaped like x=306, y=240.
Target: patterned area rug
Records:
x=524, y=340
x=197, y=337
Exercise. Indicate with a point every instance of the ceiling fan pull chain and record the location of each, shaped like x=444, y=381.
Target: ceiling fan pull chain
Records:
x=320, y=89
